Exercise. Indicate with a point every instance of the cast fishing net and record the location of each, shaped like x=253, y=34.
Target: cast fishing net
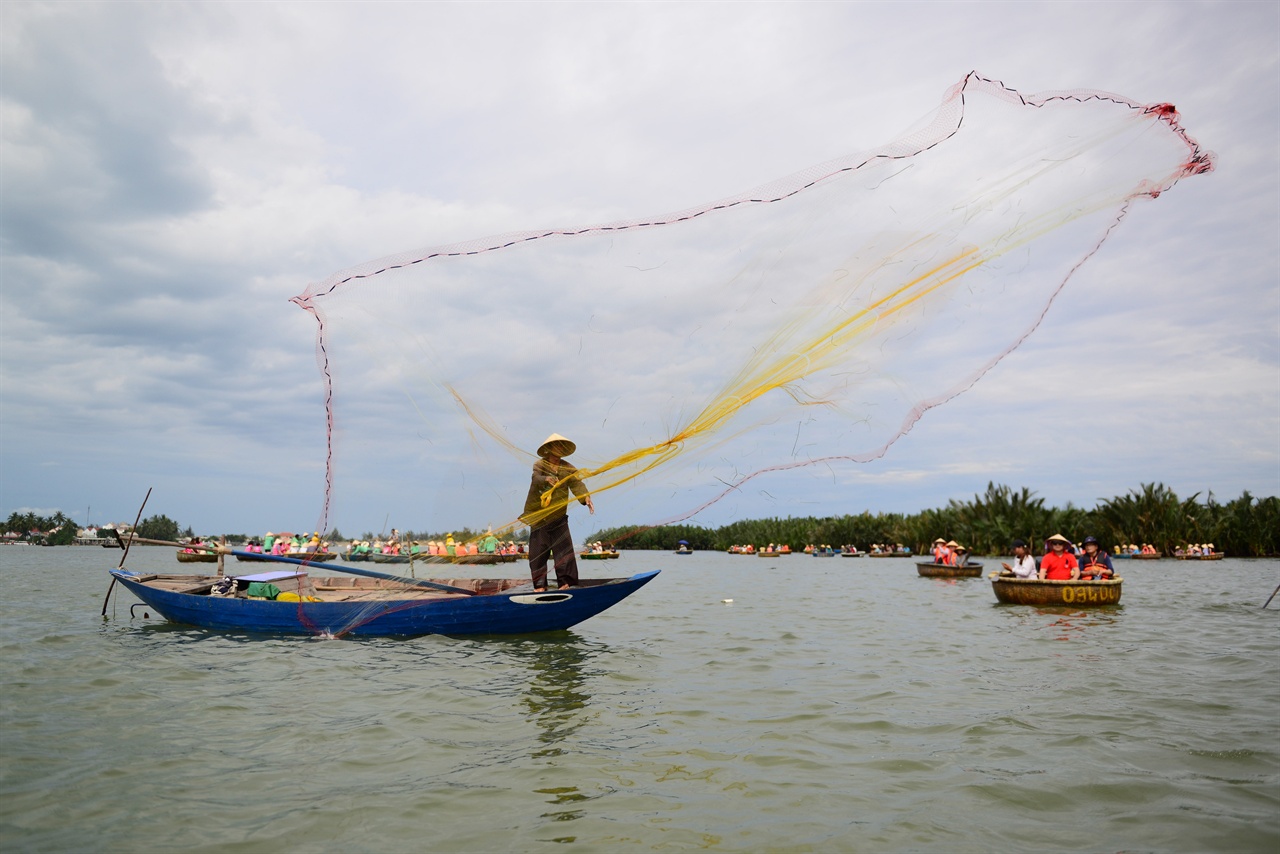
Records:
x=807, y=323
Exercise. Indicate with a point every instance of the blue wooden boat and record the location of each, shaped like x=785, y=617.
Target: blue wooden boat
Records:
x=375, y=605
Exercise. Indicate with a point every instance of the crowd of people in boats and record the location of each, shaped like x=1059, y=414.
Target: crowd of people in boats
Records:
x=896, y=549
x=1196, y=549
x=949, y=553
x=1134, y=549
x=489, y=544
x=1062, y=561
x=281, y=545
x=287, y=543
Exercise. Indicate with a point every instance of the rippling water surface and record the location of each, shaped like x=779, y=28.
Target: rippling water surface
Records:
x=833, y=705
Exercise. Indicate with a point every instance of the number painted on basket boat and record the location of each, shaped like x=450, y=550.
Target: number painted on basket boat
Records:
x=1071, y=595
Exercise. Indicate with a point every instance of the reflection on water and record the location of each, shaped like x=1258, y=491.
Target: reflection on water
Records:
x=557, y=699
x=1072, y=625
x=1064, y=623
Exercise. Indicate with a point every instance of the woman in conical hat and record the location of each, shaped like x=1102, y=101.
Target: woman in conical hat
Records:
x=546, y=513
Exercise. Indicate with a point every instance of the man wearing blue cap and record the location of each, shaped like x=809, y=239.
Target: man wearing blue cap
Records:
x=1095, y=564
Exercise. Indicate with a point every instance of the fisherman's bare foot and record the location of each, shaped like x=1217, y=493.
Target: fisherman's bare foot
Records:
x=539, y=590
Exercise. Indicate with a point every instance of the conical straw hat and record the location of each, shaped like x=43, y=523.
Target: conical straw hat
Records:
x=566, y=447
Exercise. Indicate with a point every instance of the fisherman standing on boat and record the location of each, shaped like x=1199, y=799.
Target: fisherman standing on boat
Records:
x=546, y=512
x=1024, y=565
x=1095, y=565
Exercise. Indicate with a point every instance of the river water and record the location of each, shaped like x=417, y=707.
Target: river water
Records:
x=832, y=705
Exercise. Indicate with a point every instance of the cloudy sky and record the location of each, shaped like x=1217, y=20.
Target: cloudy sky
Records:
x=171, y=174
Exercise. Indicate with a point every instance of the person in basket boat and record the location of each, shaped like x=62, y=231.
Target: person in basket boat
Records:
x=1024, y=565
x=1059, y=564
x=939, y=550
x=952, y=550
x=553, y=479
x=959, y=556
x=1095, y=564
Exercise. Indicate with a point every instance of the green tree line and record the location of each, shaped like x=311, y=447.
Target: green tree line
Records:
x=60, y=530
x=1245, y=527
x=56, y=530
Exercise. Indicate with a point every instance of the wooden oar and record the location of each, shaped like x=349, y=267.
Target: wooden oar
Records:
x=413, y=582
x=124, y=550
x=1272, y=596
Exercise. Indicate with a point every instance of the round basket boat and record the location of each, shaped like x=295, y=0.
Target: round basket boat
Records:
x=1074, y=594
x=197, y=557
x=942, y=570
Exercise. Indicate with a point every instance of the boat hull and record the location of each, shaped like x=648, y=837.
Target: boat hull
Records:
x=197, y=557
x=1214, y=556
x=517, y=611
x=942, y=570
x=1073, y=594
x=597, y=555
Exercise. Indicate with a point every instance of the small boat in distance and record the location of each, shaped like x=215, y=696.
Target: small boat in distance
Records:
x=196, y=557
x=944, y=570
x=682, y=548
x=605, y=555
x=1075, y=594
x=482, y=558
x=311, y=557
